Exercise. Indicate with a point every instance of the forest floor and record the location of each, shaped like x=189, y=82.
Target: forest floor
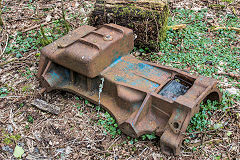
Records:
x=83, y=131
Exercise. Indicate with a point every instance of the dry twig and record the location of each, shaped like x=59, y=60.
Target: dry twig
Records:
x=177, y=27
x=227, y=28
x=7, y=61
x=37, y=26
x=230, y=74
x=2, y=51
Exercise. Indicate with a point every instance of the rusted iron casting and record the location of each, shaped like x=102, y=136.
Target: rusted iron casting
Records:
x=143, y=97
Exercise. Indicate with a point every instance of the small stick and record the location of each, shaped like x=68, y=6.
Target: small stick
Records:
x=4, y=48
x=230, y=74
x=6, y=62
x=37, y=26
x=11, y=119
x=7, y=97
x=230, y=28
x=113, y=142
x=143, y=151
x=177, y=27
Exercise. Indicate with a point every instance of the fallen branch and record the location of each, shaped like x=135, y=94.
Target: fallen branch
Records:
x=227, y=28
x=205, y=143
x=113, y=143
x=7, y=97
x=230, y=74
x=11, y=115
x=6, y=62
x=37, y=26
x=177, y=27
x=212, y=141
x=40, y=104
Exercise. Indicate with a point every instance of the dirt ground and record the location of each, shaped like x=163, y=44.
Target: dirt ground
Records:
x=75, y=133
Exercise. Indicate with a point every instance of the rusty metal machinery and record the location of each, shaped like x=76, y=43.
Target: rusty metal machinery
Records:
x=143, y=97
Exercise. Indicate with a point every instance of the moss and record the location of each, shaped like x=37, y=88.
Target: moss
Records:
x=149, y=22
x=216, y=6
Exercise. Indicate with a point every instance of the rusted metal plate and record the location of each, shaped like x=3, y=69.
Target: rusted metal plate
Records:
x=88, y=50
x=143, y=97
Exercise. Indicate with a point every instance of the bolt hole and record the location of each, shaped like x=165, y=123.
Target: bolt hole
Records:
x=175, y=125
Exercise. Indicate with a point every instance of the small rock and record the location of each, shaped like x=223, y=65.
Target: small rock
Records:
x=68, y=150
x=48, y=18
x=7, y=149
x=9, y=128
x=234, y=148
x=60, y=150
x=82, y=11
x=77, y=5
x=32, y=157
x=37, y=136
x=89, y=146
x=85, y=20
x=40, y=104
x=209, y=62
x=137, y=53
x=24, y=155
x=81, y=127
x=75, y=156
x=36, y=150
x=218, y=125
x=233, y=90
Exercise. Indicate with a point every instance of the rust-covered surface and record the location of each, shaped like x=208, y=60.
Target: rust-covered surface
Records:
x=143, y=97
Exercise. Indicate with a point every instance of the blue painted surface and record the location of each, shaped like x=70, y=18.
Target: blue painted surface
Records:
x=54, y=75
x=149, y=70
x=120, y=79
x=179, y=112
x=58, y=77
x=127, y=69
x=116, y=61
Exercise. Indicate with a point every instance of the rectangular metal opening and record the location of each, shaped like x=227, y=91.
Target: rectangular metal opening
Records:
x=175, y=88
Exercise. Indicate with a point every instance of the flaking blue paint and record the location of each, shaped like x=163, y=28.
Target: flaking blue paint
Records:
x=58, y=77
x=116, y=61
x=149, y=70
x=129, y=68
x=120, y=79
x=137, y=82
x=54, y=75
